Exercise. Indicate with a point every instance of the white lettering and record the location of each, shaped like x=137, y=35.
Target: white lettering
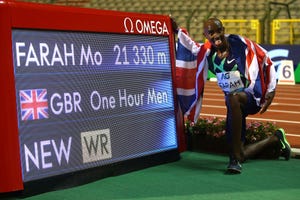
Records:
x=130, y=99
x=40, y=54
x=151, y=27
x=88, y=56
x=70, y=103
x=157, y=97
x=106, y=102
x=98, y=58
x=29, y=156
x=61, y=150
x=59, y=105
x=122, y=98
x=31, y=56
x=56, y=56
x=69, y=54
x=19, y=53
x=139, y=26
x=44, y=154
x=44, y=52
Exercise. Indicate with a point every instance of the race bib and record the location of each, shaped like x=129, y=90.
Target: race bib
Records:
x=230, y=81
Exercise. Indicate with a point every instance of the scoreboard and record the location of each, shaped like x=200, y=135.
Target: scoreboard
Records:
x=82, y=88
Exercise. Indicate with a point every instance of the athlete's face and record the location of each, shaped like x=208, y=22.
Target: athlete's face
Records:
x=214, y=32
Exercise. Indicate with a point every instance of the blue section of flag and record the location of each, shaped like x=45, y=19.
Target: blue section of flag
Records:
x=185, y=54
x=186, y=102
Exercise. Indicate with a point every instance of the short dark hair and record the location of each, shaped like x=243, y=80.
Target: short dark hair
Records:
x=215, y=20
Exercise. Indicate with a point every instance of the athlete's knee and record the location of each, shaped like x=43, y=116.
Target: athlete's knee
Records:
x=232, y=100
x=235, y=100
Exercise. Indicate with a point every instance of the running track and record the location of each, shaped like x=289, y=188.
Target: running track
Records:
x=284, y=111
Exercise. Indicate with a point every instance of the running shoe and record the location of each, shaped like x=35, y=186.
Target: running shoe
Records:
x=285, y=146
x=234, y=167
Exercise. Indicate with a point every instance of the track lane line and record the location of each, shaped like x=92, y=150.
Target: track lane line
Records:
x=269, y=110
x=254, y=118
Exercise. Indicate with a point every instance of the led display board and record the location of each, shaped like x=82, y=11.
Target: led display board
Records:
x=87, y=92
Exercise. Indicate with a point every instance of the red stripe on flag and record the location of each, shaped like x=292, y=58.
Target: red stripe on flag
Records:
x=185, y=78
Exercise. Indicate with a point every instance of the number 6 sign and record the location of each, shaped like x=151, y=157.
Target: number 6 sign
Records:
x=286, y=73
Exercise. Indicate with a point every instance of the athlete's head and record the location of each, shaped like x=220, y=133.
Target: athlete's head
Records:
x=213, y=30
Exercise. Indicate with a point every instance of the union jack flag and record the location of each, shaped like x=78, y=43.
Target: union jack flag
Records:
x=192, y=67
x=34, y=104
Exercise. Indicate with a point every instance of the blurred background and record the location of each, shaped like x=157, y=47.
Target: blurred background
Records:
x=266, y=22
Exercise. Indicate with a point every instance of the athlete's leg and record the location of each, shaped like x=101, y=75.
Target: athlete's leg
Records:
x=239, y=106
x=235, y=103
x=252, y=150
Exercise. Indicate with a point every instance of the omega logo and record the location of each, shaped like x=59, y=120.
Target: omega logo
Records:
x=145, y=26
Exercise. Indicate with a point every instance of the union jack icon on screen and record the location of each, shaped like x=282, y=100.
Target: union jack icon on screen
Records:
x=34, y=104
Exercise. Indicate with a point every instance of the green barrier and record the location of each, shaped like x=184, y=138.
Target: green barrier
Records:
x=297, y=73
x=210, y=75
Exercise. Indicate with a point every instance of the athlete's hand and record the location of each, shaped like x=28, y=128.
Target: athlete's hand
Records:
x=174, y=25
x=268, y=100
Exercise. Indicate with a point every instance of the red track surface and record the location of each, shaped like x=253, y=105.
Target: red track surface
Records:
x=284, y=111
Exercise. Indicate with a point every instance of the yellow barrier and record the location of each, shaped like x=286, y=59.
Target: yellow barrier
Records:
x=247, y=28
x=285, y=31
